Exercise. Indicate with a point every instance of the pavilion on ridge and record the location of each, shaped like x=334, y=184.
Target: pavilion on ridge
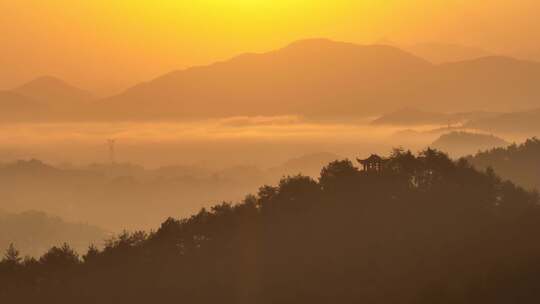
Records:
x=374, y=163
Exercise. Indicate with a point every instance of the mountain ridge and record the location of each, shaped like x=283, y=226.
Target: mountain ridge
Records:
x=315, y=78
x=319, y=77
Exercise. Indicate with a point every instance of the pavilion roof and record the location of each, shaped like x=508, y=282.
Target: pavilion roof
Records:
x=374, y=158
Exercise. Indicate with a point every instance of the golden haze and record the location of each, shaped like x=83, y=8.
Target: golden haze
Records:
x=108, y=45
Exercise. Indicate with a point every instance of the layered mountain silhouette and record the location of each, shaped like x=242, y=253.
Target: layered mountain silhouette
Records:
x=524, y=121
x=489, y=83
x=311, y=77
x=323, y=78
x=419, y=229
x=315, y=78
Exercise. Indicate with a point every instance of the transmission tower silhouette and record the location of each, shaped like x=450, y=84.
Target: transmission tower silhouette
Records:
x=111, y=143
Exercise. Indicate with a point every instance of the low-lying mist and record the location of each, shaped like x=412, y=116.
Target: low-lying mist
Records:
x=263, y=141
x=161, y=169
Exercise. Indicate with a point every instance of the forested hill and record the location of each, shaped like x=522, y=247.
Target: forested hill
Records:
x=518, y=163
x=423, y=230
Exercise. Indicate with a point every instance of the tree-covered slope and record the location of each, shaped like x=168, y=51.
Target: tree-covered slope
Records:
x=518, y=163
x=423, y=230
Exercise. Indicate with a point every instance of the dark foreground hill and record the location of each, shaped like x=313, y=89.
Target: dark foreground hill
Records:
x=423, y=230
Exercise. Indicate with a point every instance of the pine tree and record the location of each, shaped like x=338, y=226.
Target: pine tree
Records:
x=12, y=256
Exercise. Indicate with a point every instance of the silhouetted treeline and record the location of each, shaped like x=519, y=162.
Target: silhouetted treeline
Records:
x=423, y=230
x=518, y=163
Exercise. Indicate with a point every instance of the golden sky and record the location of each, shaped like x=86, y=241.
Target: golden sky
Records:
x=105, y=45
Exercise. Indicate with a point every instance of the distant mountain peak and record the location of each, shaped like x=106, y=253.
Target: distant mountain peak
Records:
x=44, y=81
x=53, y=90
